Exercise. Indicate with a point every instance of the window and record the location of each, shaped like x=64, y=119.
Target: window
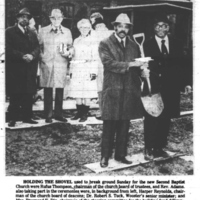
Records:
x=67, y=9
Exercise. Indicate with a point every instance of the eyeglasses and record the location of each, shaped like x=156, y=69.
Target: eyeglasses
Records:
x=163, y=26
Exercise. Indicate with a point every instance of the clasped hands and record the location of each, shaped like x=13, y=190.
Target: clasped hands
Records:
x=27, y=58
x=143, y=66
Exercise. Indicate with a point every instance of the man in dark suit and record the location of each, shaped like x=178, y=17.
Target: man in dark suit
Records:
x=22, y=51
x=121, y=89
x=165, y=77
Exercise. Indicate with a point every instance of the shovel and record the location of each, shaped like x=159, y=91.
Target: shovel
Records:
x=152, y=103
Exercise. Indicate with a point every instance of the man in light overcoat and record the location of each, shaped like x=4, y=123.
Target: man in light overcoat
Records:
x=56, y=47
x=121, y=91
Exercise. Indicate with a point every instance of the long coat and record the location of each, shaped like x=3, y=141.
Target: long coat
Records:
x=53, y=66
x=20, y=75
x=166, y=73
x=84, y=63
x=121, y=87
x=101, y=35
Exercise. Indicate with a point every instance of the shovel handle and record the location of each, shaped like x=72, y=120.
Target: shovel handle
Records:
x=149, y=85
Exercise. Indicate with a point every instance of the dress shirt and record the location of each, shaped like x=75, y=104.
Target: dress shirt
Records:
x=119, y=39
x=21, y=28
x=59, y=29
x=159, y=41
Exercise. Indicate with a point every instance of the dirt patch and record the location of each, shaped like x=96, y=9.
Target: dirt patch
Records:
x=62, y=149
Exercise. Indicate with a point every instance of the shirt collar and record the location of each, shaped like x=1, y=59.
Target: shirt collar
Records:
x=119, y=39
x=159, y=40
x=21, y=28
x=53, y=28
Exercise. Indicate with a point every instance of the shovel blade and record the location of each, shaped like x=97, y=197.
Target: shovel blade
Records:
x=153, y=104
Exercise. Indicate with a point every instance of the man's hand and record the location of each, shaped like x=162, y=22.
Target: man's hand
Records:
x=145, y=71
x=65, y=54
x=188, y=89
x=28, y=58
x=71, y=52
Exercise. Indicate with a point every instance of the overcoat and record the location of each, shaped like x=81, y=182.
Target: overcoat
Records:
x=166, y=73
x=20, y=75
x=53, y=66
x=121, y=85
x=101, y=35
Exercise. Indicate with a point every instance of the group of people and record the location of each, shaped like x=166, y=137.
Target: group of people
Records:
x=56, y=50
x=103, y=64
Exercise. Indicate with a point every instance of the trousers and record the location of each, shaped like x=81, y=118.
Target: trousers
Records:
x=156, y=130
x=48, y=102
x=111, y=128
x=20, y=104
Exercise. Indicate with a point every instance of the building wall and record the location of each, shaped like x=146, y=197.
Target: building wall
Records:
x=74, y=10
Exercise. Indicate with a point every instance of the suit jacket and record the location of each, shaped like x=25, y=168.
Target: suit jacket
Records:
x=166, y=73
x=121, y=87
x=20, y=75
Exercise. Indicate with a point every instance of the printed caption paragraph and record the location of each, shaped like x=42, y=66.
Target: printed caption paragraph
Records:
x=96, y=190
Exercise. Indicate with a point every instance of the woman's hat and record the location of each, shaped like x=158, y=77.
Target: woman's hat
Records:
x=98, y=21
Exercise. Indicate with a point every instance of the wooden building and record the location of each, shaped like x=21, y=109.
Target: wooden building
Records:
x=141, y=13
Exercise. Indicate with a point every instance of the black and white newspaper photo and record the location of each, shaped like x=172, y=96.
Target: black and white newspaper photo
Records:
x=99, y=99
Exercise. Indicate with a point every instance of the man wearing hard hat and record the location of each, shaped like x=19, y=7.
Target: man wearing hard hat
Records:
x=121, y=91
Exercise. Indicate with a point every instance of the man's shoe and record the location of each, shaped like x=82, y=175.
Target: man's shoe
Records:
x=123, y=160
x=11, y=123
x=77, y=116
x=104, y=162
x=49, y=120
x=30, y=121
x=83, y=118
x=160, y=153
x=99, y=118
x=62, y=119
x=36, y=118
x=148, y=154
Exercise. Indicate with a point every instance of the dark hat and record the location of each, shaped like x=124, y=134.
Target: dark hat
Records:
x=98, y=21
x=161, y=18
x=24, y=11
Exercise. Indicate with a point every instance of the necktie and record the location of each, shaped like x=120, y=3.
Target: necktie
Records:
x=25, y=31
x=122, y=43
x=164, y=48
x=55, y=30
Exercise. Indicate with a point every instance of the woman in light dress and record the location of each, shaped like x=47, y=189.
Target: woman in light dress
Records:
x=84, y=69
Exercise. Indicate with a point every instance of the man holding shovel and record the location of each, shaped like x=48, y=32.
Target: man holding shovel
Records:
x=121, y=93
x=165, y=77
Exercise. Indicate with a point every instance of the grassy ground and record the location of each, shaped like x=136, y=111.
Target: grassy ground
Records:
x=62, y=149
